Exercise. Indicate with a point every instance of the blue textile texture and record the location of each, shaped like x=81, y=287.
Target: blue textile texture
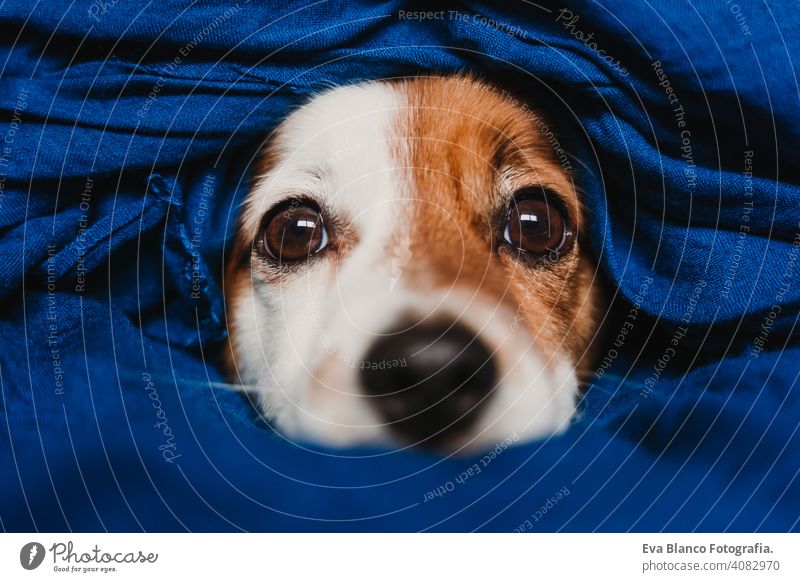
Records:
x=127, y=132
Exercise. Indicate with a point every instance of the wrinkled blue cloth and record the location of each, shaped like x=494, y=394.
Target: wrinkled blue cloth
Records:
x=127, y=132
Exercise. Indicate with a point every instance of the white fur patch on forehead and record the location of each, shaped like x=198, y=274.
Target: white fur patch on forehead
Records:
x=333, y=150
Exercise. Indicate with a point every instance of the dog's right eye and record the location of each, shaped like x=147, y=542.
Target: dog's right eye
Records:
x=292, y=232
x=536, y=226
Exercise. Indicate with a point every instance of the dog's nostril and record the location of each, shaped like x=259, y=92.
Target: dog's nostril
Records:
x=429, y=381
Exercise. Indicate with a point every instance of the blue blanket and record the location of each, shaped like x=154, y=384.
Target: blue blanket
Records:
x=126, y=135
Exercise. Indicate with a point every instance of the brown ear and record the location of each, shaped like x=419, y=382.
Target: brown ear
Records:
x=236, y=272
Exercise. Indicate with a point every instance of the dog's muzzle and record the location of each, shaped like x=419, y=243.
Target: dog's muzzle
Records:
x=429, y=382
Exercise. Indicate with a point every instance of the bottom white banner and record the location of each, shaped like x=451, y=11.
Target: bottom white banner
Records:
x=399, y=556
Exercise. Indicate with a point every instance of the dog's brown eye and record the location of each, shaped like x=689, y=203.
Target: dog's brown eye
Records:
x=538, y=227
x=293, y=232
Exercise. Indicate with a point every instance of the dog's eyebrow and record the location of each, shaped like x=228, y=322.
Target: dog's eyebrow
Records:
x=524, y=162
x=514, y=178
x=500, y=154
x=305, y=183
x=317, y=174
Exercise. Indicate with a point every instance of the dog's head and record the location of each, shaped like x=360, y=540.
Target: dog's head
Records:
x=409, y=267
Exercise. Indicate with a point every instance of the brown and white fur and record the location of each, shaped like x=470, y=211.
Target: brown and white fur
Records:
x=414, y=178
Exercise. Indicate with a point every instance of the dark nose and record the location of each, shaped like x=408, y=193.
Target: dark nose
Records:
x=430, y=381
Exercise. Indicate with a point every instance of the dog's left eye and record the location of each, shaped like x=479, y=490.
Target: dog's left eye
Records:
x=293, y=232
x=537, y=226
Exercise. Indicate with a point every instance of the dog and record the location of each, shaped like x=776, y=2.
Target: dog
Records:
x=410, y=269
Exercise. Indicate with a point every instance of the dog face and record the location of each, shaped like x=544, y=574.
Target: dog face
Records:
x=409, y=269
